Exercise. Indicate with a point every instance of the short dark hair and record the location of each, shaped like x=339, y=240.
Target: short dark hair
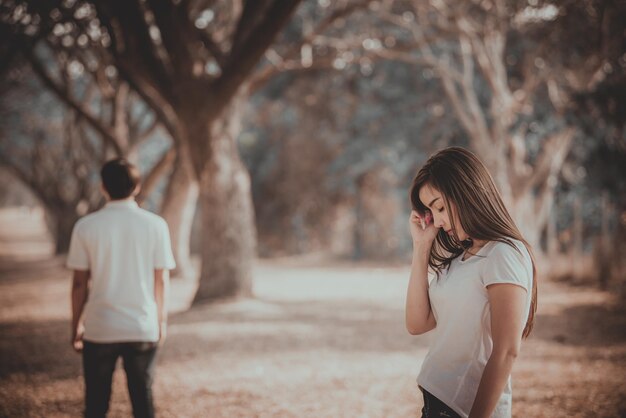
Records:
x=120, y=178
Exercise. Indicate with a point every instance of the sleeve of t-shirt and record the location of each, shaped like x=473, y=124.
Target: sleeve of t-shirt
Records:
x=163, y=257
x=506, y=265
x=78, y=255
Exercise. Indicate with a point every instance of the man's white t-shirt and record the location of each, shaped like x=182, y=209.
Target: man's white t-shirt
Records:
x=121, y=244
x=462, y=342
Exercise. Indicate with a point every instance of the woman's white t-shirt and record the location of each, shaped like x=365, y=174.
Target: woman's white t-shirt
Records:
x=462, y=342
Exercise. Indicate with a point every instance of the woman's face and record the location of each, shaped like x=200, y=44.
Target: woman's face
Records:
x=433, y=199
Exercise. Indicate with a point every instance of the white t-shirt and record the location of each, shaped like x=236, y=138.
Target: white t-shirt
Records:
x=121, y=245
x=462, y=342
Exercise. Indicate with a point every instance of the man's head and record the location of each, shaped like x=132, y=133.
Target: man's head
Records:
x=120, y=179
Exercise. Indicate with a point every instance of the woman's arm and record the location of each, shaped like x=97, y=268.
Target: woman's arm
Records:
x=419, y=316
x=507, y=302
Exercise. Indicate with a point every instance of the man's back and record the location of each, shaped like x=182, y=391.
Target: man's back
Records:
x=120, y=256
x=121, y=245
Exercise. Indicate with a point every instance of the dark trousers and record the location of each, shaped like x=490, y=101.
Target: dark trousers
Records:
x=434, y=408
x=99, y=363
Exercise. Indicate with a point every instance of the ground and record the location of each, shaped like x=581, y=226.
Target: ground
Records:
x=320, y=339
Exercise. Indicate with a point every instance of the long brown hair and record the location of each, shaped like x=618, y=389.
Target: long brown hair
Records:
x=468, y=188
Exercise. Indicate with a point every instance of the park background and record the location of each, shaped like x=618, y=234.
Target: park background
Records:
x=278, y=138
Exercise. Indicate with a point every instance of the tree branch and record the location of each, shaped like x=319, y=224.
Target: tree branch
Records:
x=158, y=170
x=134, y=49
x=554, y=153
x=289, y=61
x=19, y=172
x=167, y=19
x=249, y=50
x=210, y=46
x=60, y=93
x=251, y=15
x=479, y=130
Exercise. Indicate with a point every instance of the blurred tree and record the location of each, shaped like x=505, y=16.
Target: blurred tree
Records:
x=52, y=152
x=53, y=163
x=287, y=154
x=468, y=46
x=331, y=154
x=193, y=62
x=599, y=110
x=190, y=60
x=60, y=49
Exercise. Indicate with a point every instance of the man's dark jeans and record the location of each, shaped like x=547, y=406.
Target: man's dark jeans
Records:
x=99, y=363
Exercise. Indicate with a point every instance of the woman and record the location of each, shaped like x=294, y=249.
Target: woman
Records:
x=483, y=296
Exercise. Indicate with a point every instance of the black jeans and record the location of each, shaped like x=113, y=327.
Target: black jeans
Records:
x=434, y=408
x=99, y=363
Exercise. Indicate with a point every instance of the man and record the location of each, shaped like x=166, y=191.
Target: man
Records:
x=120, y=255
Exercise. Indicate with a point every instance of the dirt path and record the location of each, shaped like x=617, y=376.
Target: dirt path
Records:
x=317, y=341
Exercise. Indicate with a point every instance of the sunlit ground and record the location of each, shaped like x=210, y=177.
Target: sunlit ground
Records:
x=319, y=340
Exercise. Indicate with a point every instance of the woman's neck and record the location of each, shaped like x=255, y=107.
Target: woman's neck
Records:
x=476, y=246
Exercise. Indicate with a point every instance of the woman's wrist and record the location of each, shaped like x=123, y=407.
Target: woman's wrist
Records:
x=421, y=249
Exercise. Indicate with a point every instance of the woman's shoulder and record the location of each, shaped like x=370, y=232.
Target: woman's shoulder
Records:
x=506, y=246
x=507, y=262
x=509, y=250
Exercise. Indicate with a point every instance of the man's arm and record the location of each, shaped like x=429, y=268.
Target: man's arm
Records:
x=80, y=290
x=161, y=277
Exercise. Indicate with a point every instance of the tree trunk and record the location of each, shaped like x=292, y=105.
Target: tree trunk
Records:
x=178, y=210
x=523, y=212
x=603, y=250
x=359, y=222
x=577, y=248
x=552, y=239
x=228, y=228
x=61, y=222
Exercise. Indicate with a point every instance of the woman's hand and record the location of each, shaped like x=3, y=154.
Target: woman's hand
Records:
x=423, y=232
